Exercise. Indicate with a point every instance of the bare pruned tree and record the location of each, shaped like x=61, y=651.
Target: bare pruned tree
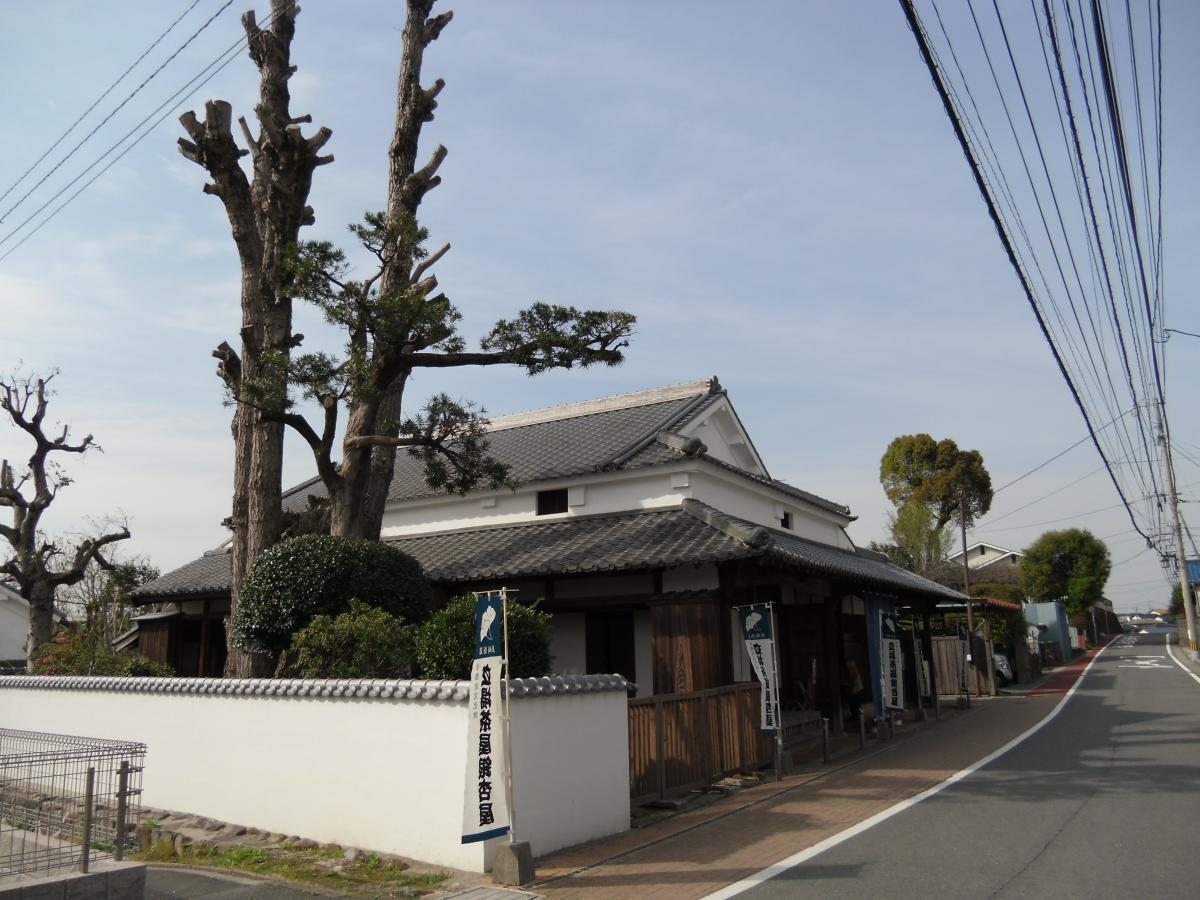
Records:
x=396, y=320
x=38, y=565
x=266, y=209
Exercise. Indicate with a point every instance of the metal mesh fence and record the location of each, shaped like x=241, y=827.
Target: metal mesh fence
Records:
x=66, y=801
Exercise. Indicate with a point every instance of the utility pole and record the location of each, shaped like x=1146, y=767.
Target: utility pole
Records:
x=1189, y=599
x=962, y=522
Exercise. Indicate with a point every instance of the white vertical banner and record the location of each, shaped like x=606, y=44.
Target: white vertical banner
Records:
x=760, y=645
x=891, y=662
x=485, y=798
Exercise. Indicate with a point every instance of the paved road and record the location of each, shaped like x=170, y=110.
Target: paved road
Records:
x=163, y=882
x=1104, y=801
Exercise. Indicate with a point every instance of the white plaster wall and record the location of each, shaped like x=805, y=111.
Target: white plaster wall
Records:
x=568, y=643
x=605, y=493
x=747, y=501
x=643, y=651
x=702, y=577
x=380, y=774
x=570, y=768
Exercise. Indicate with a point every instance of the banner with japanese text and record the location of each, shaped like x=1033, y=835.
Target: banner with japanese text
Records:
x=760, y=645
x=485, y=799
x=891, y=661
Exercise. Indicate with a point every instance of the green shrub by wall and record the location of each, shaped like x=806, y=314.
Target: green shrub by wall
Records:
x=311, y=575
x=363, y=642
x=445, y=644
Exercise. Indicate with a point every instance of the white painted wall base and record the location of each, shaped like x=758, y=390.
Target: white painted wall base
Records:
x=376, y=765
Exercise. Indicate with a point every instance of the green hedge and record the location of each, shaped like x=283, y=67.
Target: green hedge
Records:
x=311, y=575
x=363, y=642
x=445, y=644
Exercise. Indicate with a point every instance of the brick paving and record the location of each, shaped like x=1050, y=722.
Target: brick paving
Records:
x=702, y=850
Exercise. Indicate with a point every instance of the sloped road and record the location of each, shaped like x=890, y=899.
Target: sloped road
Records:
x=1102, y=801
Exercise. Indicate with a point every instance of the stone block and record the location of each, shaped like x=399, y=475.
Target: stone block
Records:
x=126, y=881
x=92, y=886
x=43, y=889
x=513, y=864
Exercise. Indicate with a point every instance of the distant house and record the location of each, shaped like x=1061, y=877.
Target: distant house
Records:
x=14, y=627
x=639, y=521
x=981, y=555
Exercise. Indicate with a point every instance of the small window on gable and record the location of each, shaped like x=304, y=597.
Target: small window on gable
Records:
x=786, y=520
x=550, y=502
x=983, y=551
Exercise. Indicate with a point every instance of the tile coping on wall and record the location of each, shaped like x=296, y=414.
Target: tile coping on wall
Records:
x=398, y=689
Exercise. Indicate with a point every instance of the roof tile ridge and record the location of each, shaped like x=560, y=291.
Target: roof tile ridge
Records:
x=580, y=408
x=511, y=526
x=634, y=447
x=754, y=536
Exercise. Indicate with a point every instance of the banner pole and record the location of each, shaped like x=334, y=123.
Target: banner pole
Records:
x=508, y=763
x=778, y=709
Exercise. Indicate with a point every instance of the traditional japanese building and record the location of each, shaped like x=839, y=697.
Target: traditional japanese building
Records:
x=640, y=521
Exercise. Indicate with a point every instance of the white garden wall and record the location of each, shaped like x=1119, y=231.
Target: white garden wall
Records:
x=370, y=764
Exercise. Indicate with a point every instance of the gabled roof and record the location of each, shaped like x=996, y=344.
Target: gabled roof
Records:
x=624, y=542
x=208, y=576
x=958, y=554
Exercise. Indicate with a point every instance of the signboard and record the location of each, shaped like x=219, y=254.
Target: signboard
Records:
x=485, y=799
x=891, y=661
x=760, y=645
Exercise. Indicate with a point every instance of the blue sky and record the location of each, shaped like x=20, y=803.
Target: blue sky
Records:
x=773, y=190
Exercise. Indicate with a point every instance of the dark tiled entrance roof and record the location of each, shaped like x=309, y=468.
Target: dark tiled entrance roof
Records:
x=652, y=539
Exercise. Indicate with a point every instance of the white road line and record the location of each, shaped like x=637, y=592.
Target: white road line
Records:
x=1186, y=670
x=841, y=837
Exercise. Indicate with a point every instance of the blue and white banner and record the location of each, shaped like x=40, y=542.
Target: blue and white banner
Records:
x=485, y=800
x=891, y=662
x=760, y=645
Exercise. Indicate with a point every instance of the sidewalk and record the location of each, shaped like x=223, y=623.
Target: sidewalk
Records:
x=702, y=850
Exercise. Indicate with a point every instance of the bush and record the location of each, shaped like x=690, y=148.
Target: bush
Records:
x=446, y=643
x=317, y=574
x=71, y=653
x=364, y=642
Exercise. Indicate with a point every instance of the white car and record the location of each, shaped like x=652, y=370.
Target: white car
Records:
x=1004, y=672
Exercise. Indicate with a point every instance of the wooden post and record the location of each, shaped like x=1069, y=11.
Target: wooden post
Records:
x=201, y=668
x=962, y=521
x=862, y=731
x=660, y=749
x=825, y=739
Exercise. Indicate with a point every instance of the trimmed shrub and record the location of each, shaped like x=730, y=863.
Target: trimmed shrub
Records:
x=363, y=642
x=317, y=574
x=446, y=643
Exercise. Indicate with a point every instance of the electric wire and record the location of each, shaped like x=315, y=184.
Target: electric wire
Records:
x=108, y=90
x=114, y=111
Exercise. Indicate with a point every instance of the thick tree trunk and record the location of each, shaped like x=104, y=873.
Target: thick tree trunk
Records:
x=265, y=215
x=406, y=188
x=41, y=615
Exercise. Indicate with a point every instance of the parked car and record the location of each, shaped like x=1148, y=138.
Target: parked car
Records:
x=1004, y=672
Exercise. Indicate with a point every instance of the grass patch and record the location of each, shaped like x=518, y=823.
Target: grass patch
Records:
x=365, y=876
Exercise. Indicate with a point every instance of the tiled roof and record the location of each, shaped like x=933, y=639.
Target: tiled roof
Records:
x=628, y=541
x=208, y=575
x=692, y=533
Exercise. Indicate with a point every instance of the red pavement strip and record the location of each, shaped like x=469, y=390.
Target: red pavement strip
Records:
x=1062, y=680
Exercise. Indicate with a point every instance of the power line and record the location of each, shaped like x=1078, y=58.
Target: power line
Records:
x=1061, y=453
x=108, y=117
x=197, y=81
x=108, y=90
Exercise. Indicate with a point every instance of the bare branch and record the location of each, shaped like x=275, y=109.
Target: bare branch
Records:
x=428, y=263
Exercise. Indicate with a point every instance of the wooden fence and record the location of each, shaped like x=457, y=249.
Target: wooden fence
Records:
x=948, y=661
x=680, y=742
